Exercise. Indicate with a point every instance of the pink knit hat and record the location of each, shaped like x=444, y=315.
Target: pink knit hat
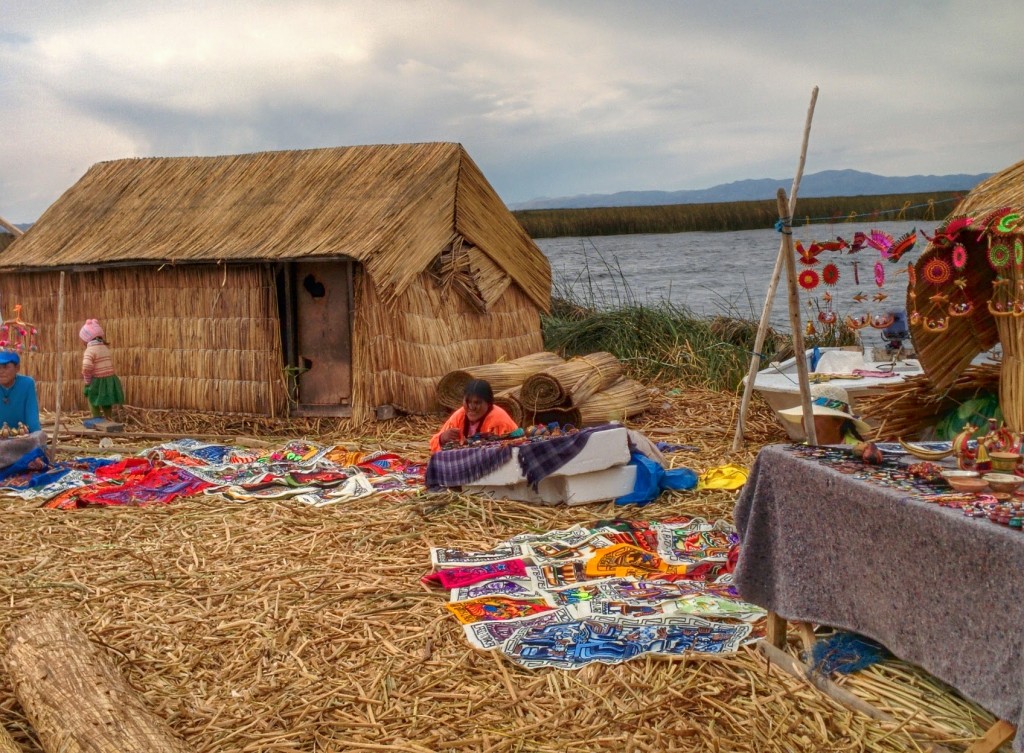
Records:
x=90, y=330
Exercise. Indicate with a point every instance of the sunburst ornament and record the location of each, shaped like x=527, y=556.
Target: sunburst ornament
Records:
x=998, y=256
x=1008, y=223
x=959, y=256
x=808, y=279
x=937, y=271
x=830, y=274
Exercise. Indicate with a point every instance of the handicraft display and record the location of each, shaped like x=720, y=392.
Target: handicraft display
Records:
x=822, y=263
x=607, y=593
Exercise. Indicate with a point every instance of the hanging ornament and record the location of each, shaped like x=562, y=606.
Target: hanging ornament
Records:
x=881, y=321
x=810, y=329
x=963, y=307
x=827, y=298
x=1008, y=223
x=936, y=271
x=911, y=273
x=902, y=245
x=830, y=274
x=856, y=322
x=809, y=255
x=879, y=274
x=937, y=325
x=1018, y=251
x=860, y=298
x=998, y=256
x=879, y=297
x=999, y=304
x=959, y=256
x=827, y=317
x=856, y=274
x=808, y=279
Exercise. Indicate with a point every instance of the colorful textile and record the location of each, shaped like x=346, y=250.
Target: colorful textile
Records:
x=464, y=466
x=539, y=460
x=299, y=470
x=572, y=604
x=467, y=576
x=14, y=451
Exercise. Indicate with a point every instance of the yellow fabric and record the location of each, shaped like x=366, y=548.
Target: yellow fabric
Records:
x=723, y=477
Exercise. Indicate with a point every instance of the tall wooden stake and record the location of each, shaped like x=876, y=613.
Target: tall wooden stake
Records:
x=794, y=318
x=762, y=329
x=60, y=369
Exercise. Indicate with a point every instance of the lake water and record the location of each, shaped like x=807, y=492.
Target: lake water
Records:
x=727, y=273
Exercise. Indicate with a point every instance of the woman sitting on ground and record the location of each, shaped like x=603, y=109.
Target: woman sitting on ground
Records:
x=478, y=415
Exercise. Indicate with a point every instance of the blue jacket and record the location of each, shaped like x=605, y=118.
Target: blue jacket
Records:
x=19, y=403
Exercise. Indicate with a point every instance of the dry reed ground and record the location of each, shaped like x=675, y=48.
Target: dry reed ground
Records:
x=279, y=627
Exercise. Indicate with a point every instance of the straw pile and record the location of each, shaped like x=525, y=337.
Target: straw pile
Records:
x=569, y=384
x=908, y=407
x=502, y=376
x=278, y=627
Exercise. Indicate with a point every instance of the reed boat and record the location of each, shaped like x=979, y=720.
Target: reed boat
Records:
x=779, y=385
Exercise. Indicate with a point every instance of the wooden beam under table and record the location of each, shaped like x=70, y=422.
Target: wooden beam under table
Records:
x=774, y=647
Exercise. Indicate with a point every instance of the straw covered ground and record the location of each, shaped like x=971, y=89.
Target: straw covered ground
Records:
x=279, y=627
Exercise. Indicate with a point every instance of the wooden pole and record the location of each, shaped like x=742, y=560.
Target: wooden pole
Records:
x=794, y=318
x=60, y=370
x=762, y=329
x=74, y=695
x=12, y=229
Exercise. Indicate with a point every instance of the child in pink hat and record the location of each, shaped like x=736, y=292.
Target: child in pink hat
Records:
x=102, y=386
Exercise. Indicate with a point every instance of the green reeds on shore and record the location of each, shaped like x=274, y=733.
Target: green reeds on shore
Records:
x=734, y=215
x=664, y=340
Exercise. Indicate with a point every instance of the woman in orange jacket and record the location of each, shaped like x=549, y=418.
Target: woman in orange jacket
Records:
x=478, y=415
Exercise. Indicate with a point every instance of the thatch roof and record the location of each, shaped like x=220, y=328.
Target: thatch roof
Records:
x=394, y=208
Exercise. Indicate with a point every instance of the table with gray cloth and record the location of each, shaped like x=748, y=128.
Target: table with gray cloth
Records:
x=938, y=589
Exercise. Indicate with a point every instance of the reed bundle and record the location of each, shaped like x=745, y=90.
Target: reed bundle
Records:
x=623, y=400
x=249, y=628
x=509, y=400
x=908, y=407
x=569, y=384
x=501, y=376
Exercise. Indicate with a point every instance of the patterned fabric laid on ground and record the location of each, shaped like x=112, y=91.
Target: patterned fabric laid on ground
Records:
x=464, y=466
x=606, y=593
x=299, y=470
x=539, y=460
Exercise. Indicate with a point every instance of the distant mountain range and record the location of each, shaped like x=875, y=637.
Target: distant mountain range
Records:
x=823, y=184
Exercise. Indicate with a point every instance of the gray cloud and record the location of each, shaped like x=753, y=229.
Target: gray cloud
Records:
x=550, y=99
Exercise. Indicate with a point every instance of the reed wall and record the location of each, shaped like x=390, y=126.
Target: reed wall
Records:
x=403, y=349
x=189, y=337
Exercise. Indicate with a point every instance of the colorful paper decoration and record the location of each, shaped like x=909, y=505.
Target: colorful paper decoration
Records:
x=830, y=274
x=808, y=279
x=936, y=271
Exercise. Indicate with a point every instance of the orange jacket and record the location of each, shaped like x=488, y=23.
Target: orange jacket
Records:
x=497, y=421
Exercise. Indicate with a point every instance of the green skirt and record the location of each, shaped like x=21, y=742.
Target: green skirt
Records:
x=105, y=391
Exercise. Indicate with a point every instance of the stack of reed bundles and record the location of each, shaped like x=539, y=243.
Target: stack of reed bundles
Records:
x=570, y=384
x=509, y=400
x=501, y=376
x=624, y=399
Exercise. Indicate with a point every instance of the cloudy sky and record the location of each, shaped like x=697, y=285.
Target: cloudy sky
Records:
x=550, y=97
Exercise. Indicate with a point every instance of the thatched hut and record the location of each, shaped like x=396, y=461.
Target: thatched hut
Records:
x=325, y=281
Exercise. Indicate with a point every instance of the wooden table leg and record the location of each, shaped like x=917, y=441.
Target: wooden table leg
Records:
x=996, y=735
x=775, y=630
